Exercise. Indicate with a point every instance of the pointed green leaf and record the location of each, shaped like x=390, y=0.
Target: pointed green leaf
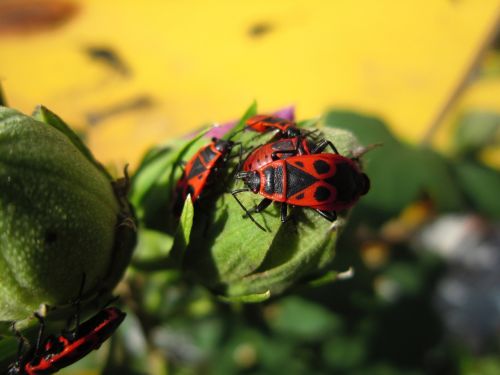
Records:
x=247, y=298
x=181, y=239
x=251, y=111
x=327, y=278
x=48, y=117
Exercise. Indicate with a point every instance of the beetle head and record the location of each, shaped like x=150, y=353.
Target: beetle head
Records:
x=251, y=179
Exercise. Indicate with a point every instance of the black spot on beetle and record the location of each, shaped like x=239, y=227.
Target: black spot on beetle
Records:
x=321, y=166
x=322, y=194
x=300, y=196
x=299, y=163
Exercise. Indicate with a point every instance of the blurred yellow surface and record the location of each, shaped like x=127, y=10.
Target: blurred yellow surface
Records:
x=181, y=64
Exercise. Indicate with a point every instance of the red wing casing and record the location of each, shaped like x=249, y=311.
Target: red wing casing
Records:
x=197, y=172
x=65, y=350
x=263, y=155
x=263, y=123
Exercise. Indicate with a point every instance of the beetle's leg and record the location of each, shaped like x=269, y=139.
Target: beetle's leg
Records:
x=293, y=152
x=284, y=213
x=328, y=215
x=263, y=204
x=247, y=213
x=310, y=133
x=321, y=145
x=41, y=321
x=77, y=305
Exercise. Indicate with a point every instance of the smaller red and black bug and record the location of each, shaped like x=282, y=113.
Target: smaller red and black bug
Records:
x=324, y=182
x=57, y=352
x=200, y=170
x=264, y=123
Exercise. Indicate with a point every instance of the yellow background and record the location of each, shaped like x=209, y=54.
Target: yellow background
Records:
x=195, y=62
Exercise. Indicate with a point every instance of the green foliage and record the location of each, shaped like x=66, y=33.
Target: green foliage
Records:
x=476, y=130
x=488, y=365
x=480, y=185
x=209, y=293
x=226, y=252
x=400, y=173
x=48, y=117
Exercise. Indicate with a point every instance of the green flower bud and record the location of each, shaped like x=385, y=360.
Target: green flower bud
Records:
x=227, y=252
x=61, y=217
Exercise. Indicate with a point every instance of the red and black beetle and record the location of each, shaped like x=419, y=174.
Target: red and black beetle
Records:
x=200, y=169
x=264, y=123
x=324, y=182
x=60, y=351
x=281, y=149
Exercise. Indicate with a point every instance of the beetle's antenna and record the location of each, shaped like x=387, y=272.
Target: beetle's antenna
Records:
x=247, y=212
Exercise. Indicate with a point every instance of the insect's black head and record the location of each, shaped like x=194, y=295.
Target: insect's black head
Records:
x=222, y=145
x=251, y=179
x=291, y=132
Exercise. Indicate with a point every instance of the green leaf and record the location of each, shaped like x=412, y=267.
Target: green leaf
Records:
x=152, y=249
x=247, y=298
x=345, y=353
x=153, y=184
x=394, y=183
x=48, y=117
x=181, y=239
x=158, y=251
x=58, y=215
x=367, y=129
x=437, y=179
x=251, y=111
x=8, y=351
x=150, y=175
x=310, y=123
x=476, y=130
x=303, y=319
x=230, y=255
x=399, y=173
x=327, y=278
x=481, y=185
